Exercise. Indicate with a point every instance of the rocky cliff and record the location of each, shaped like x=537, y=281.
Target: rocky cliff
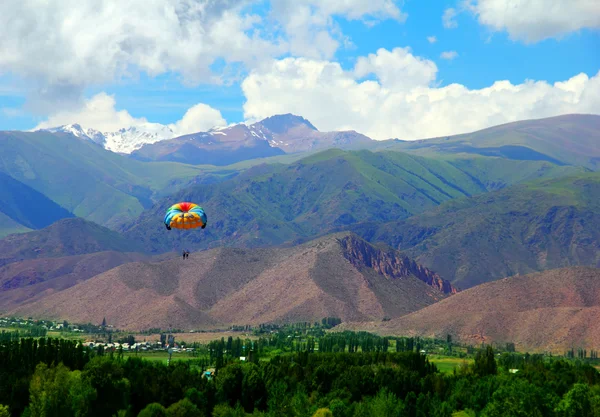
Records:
x=391, y=264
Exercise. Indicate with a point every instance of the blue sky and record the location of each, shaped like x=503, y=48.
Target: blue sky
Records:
x=484, y=55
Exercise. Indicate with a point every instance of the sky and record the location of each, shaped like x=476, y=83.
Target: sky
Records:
x=408, y=69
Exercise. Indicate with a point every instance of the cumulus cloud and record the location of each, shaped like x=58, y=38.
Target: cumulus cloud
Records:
x=77, y=42
x=449, y=18
x=450, y=55
x=403, y=101
x=534, y=20
x=431, y=39
x=397, y=68
x=99, y=113
x=62, y=47
x=310, y=27
x=198, y=118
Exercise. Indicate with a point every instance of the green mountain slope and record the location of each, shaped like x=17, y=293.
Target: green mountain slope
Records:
x=85, y=179
x=23, y=208
x=522, y=229
x=66, y=237
x=330, y=190
x=572, y=139
x=9, y=226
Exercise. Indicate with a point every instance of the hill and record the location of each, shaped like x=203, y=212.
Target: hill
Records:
x=86, y=179
x=334, y=276
x=553, y=310
x=32, y=279
x=275, y=135
x=572, y=139
x=524, y=228
x=328, y=191
x=23, y=208
x=64, y=238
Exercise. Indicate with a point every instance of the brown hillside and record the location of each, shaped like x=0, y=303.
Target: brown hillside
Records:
x=551, y=310
x=67, y=237
x=322, y=278
x=32, y=279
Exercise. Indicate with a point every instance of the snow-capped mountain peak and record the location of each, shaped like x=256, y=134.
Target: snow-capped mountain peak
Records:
x=125, y=140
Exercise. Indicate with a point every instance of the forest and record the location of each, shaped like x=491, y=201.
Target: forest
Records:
x=337, y=374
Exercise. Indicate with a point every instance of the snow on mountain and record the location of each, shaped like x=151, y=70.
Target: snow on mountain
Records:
x=80, y=132
x=121, y=141
x=128, y=140
x=287, y=132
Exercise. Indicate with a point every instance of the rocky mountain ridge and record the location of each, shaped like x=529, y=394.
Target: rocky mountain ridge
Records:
x=391, y=264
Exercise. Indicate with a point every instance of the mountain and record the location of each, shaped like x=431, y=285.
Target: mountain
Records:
x=122, y=141
x=23, y=208
x=524, y=228
x=327, y=191
x=87, y=180
x=272, y=136
x=32, y=279
x=572, y=139
x=334, y=276
x=554, y=310
x=217, y=147
x=296, y=134
x=64, y=238
x=280, y=124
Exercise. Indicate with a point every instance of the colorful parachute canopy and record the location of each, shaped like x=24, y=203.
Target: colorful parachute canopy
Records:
x=185, y=216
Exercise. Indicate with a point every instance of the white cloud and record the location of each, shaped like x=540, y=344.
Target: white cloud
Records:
x=400, y=102
x=81, y=42
x=450, y=55
x=449, y=18
x=62, y=47
x=198, y=118
x=534, y=20
x=99, y=113
x=310, y=26
x=431, y=39
x=397, y=68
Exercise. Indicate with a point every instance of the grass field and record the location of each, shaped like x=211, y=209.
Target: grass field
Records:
x=447, y=364
x=160, y=356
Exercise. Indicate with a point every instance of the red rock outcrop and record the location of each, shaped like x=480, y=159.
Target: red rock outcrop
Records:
x=391, y=264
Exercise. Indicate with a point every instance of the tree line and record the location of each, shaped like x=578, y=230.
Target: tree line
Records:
x=55, y=377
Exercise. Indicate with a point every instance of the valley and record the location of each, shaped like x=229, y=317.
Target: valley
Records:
x=325, y=225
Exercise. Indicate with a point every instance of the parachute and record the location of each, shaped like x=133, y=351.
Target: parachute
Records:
x=185, y=216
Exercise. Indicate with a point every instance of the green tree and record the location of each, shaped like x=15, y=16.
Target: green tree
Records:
x=153, y=410
x=49, y=391
x=223, y=410
x=577, y=402
x=108, y=379
x=300, y=404
x=254, y=391
x=81, y=394
x=277, y=397
x=229, y=384
x=4, y=411
x=183, y=408
x=518, y=398
x=323, y=412
x=386, y=404
x=485, y=363
x=199, y=399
